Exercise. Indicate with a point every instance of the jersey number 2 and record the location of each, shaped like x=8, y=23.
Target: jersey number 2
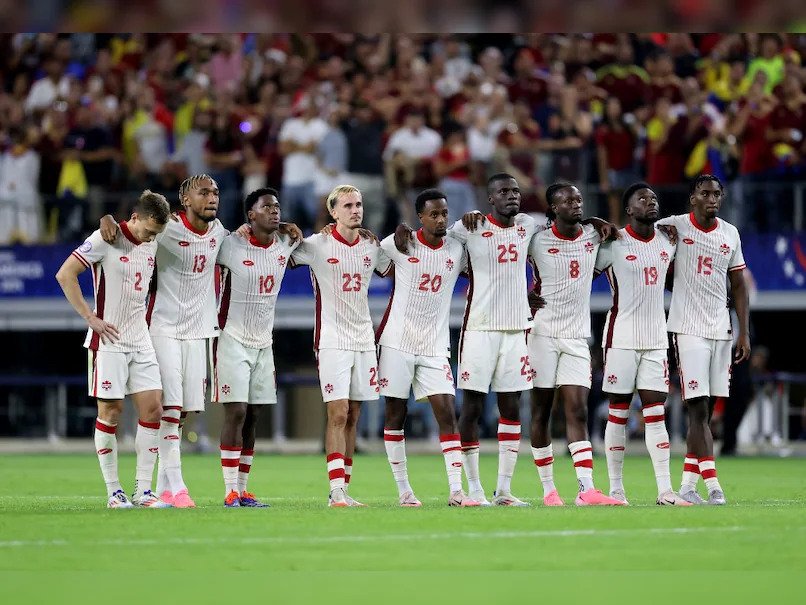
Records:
x=352, y=283
x=507, y=254
x=430, y=283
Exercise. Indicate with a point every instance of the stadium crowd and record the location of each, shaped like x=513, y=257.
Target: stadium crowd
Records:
x=89, y=120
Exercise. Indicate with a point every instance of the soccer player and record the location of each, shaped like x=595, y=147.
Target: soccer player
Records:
x=415, y=344
x=709, y=253
x=243, y=361
x=563, y=259
x=341, y=265
x=121, y=356
x=635, y=340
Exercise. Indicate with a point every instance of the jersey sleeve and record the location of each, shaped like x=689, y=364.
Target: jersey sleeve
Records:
x=534, y=248
x=384, y=263
x=305, y=252
x=737, y=258
x=605, y=257
x=458, y=232
x=388, y=247
x=671, y=220
x=93, y=250
x=224, y=257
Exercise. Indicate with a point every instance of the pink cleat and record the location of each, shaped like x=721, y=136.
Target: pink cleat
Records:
x=410, y=500
x=594, y=497
x=183, y=500
x=167, y=497
x=459, y=498
x=553, y=499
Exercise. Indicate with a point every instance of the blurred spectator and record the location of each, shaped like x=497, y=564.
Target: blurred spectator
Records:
x=191, y=155
x=20, y=218
x=769, y=61
x=47, y=89
x=224, y=157
x=452, y=168
x=332, y=157
x=145, y=139
x=364, y=130
x=615, y=145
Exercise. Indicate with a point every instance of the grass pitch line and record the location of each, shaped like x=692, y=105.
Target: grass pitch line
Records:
x=560, y=533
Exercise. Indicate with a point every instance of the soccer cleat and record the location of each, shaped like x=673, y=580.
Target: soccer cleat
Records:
x=232, y=500
x=119, y=500
x=337, y=498
x=480, y=498
x=459, y=498
x=352, y=501
x=553, y=499
x=671, y=499
x=183, y=500
x=167, y=497
x=507, y=500
x=409, y=500
x=149, y=499
x=248, y=500
x=620, y=495
x=716, y=497
x=692, y=496
x=594, y=497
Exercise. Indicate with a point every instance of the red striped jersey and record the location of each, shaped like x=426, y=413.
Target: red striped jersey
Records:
x=121, y=273
x=340, y=274
x=563, y=269
x=496, y=297
x=252, y=276
x=420, y=304
x=183, y=299
x=704, y=259
x=636, y=269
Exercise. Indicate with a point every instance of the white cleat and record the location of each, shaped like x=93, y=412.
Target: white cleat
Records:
x=620, y=495
x=671, y=498
x=692, y=496
x=337, y=498
x=507, y=500
x=459, y=498
x=148, y=499
x=119, y=500
x=479, y=497
x=352, y=501
x=409, y=500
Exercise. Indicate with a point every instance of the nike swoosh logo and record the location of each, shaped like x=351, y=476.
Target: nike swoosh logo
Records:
x=667, y=501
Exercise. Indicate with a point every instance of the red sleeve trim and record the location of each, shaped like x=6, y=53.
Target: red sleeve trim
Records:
x=739, y=268
x=81, y=258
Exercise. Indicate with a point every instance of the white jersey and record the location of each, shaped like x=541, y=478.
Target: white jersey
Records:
x=700, y=291
x=121, y=273
x=340, y=273
x=563, y=269
x=183, y=297
x=496, y=297
x=636, y=269
x=251, y=278
x=420, y=304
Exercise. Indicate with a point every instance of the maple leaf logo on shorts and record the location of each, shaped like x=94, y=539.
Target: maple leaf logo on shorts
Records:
x=465, y=376
x=384, y=382
x=225, y=389
x=328, y=388
x=612, y=379
x=693, y=384
x=106, y=385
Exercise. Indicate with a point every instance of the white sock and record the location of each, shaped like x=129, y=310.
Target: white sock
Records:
x=335, y=470
x=230, y=459
x=470, y=462
x=691, y=473
x=657, y=444
x=243, y=469
x=708, y=472
x=106, y=446
x=615, y=439
x=170, y=436
x=348, y=472
x=452, y=452
x=146, y=444
x=509, y=442
x=582, y=455
x=395, y=444
x=544, y=461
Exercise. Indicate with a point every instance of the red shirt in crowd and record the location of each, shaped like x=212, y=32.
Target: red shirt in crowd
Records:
x=619, y=144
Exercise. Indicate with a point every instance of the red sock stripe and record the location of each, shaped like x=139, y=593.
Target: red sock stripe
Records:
x=230, y=462
x=509, y=436
x=585, y=463
x=334, y=456
x=230, y=448
x=105, y=428
x=393, y=437
x=172, y=407
x=468, y=444
x=451, y=437
x=348, y=462
x=244, y=468
x=619, y=406
x=659, y=418
x=650, y=405
x=336, y=473
x=708, y=474
x=544, y=461
x=247, y=452
x=149, y=425
x=451, y=449
x=616, y=419
x=509, y=422
x=169, y=419
x=691, y=468
x=706, y=459
x=691, y=456
x=582, y=451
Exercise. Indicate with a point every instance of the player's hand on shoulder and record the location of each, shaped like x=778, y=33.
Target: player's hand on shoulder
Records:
x=104, y=329
x=109, y=229
x=367, y=234
x=174, y=216
x=327, y=229
x=608, y=232
x=244, y=231
x=291, y=230
x=471, y=220
x=670, y=231
x=403, y=238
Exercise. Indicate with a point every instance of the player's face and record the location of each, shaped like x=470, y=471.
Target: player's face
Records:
x=505, y=197
x=348, y=211
x=567, y=205
x=434, y=217
x=266, y=213
x=145, y=229
x=707, y=198
x=644, y=206
x=203, y=200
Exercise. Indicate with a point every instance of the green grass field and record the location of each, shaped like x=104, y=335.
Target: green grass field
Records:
x=56, y=537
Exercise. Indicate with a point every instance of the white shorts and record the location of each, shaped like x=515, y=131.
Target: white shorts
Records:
x=559, y=361
x=113, y=375
x=183, y=368
x=242, y=374
x=494, y=360
x=628, y=369
x=400, y=371
x=349, y=375
x=704, y=366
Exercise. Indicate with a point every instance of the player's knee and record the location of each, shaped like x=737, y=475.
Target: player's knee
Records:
x=578, y=414
x=110, y=412
x=152, y=413
x=235, y=413
x=337, y=415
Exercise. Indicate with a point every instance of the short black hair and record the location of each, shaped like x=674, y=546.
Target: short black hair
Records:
x=551, y=191
x=251, y=199
x=704, y=178
x=425, y=196
x=629, y=191
x=498, y=176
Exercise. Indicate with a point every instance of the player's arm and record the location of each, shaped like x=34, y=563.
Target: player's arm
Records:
x=304, y=254
x=607, y=231
x=67, y=276
x=384, y=265
x=741, y=301
x=668, y=227
x=604, y=258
